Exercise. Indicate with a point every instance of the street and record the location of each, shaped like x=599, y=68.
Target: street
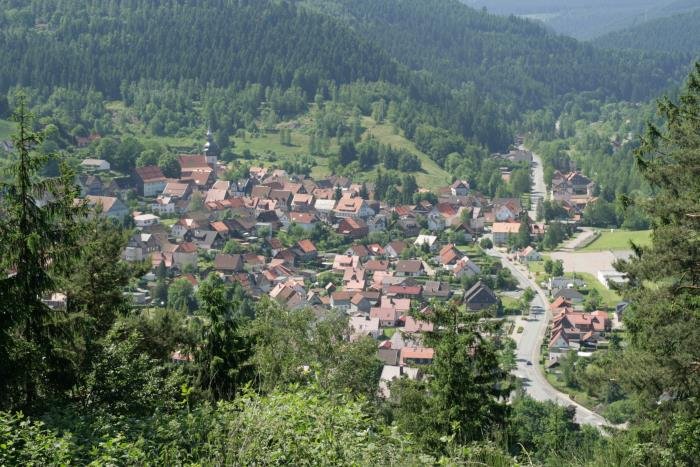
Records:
x=528, y=349
x=534, y=328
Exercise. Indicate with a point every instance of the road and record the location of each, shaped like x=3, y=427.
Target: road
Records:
x=534, y=381
x=539, y=188
x=578, y=240
x=528, y=349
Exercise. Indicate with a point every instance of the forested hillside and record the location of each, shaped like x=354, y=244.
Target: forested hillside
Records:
x=679, y=33
x=512, y=59
x=586, y=19
x=98, y=44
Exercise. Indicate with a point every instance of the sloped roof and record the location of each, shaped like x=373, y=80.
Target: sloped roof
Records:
x=150, y=173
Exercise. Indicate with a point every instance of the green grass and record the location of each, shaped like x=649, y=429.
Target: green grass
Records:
x=619, y=240
x=267, y=149
x=471, y=250
x=168, y=222
x=510, y=302
x=609, y=297
x=6, y=129
x=537, y=271
x=579, y=396
x=432, y=175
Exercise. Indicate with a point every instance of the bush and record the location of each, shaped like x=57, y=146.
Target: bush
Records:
x=620, y=411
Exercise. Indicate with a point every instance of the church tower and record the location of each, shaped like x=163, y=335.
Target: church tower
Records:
x=211, y=150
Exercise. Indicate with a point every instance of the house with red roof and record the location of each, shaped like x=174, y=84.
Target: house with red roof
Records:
x=353, y=228
x=416, y=356
x=307, y=249
x=502, y=231
x=149, y=180
x=577, y=329
x=449, y=256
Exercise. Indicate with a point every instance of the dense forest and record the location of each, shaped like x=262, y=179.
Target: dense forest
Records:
x=679, y=33
x=510, y=59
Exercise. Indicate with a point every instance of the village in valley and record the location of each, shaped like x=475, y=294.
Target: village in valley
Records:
x=327, y=245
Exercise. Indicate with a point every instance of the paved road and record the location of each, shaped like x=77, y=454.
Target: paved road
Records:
x=539, y=188
x=534, y=381
x=578, y=240
x=528, y=350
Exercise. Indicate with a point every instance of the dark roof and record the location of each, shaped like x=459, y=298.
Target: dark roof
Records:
x=571, y=294
x=480, y=293
x=436, y=288
x=224, y=262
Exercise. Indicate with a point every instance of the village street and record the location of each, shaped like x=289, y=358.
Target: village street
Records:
x=534, y=326
x=528, y=350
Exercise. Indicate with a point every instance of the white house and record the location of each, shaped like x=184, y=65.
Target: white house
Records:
x=502, y=230
x=460, y=188
x=528, y=254
x=361, y=326
x=611, y=276
x=146, y=220
x=353, y=207
x=429, y=240
x=96, y=165
x=466, y=268
x=163, y=205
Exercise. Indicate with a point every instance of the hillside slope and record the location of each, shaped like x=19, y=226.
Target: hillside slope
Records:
x=587, y=19
x=96, y=44
x=678, y=33
x=510, y=58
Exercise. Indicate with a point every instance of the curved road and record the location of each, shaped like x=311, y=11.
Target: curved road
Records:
x=534, y=381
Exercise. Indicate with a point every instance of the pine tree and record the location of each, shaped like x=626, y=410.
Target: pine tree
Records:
x=38, y=233
x=222, y=359
x=663, y=319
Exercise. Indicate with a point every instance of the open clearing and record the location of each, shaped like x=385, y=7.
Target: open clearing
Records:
x=618, y=240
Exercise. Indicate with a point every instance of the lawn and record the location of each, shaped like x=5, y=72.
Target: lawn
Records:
x=471, y=250
x=510, y=303
x=579, y=396
x=432, y=176
x=609, y=297
x=267, y=149
x=619, y=240
x=6, y=129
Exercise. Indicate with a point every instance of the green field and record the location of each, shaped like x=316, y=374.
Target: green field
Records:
x=432, y=175
x=267, y=150
x=609, y=297
x=619, y=240
x=6, y=129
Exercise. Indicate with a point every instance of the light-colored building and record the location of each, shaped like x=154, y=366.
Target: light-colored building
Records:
x=97, y=165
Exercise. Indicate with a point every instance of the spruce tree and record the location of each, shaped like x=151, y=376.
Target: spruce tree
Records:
x=662, y=362
x=38, y=233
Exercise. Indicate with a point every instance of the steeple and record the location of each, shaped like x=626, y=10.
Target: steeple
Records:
x=211, y=150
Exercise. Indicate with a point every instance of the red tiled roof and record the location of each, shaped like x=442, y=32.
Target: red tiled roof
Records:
x=150, y=173
x=186, y=247
x=306, y=246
